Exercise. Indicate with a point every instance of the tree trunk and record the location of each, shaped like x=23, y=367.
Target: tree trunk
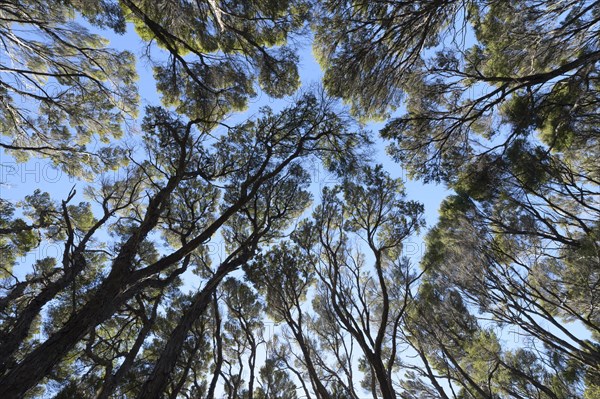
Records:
x=155, y=385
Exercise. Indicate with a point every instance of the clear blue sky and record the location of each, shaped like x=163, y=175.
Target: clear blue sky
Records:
x=19, y=180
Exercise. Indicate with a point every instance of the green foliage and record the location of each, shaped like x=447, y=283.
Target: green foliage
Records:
x=64, y=89
x=275, y=383
x=367, y=49
x=168, y=266
x=506, y=118
x=219, y=49
x=18, y=237
x=283, y=276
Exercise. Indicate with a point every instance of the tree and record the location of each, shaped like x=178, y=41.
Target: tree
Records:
x=218, y=49
x=368, y=303
x=63, y=90
x=276, y=382
x=353, y=304
x=245, y=329
x=496, y=100
x=500, y=105
x=254, y=168
x=283, y=276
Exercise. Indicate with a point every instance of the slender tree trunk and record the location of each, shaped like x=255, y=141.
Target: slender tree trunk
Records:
x=219, y=349
x=107, y=299
x=20, y=330
x=113, y=380
x=155, y=385
x=251, y=365
x=320, y=389
x=41, y=360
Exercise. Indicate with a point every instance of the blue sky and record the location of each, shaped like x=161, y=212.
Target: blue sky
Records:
x=18, y=180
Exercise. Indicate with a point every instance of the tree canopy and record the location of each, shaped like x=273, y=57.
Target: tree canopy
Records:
x=311, y=292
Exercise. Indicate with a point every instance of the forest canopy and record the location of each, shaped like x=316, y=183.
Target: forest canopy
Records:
x=312, y=293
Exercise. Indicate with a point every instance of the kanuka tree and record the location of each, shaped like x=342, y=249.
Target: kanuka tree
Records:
x=354, y=304
x=248, y=185
x=245, y=184
x=63, y=90
x=499, y=104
